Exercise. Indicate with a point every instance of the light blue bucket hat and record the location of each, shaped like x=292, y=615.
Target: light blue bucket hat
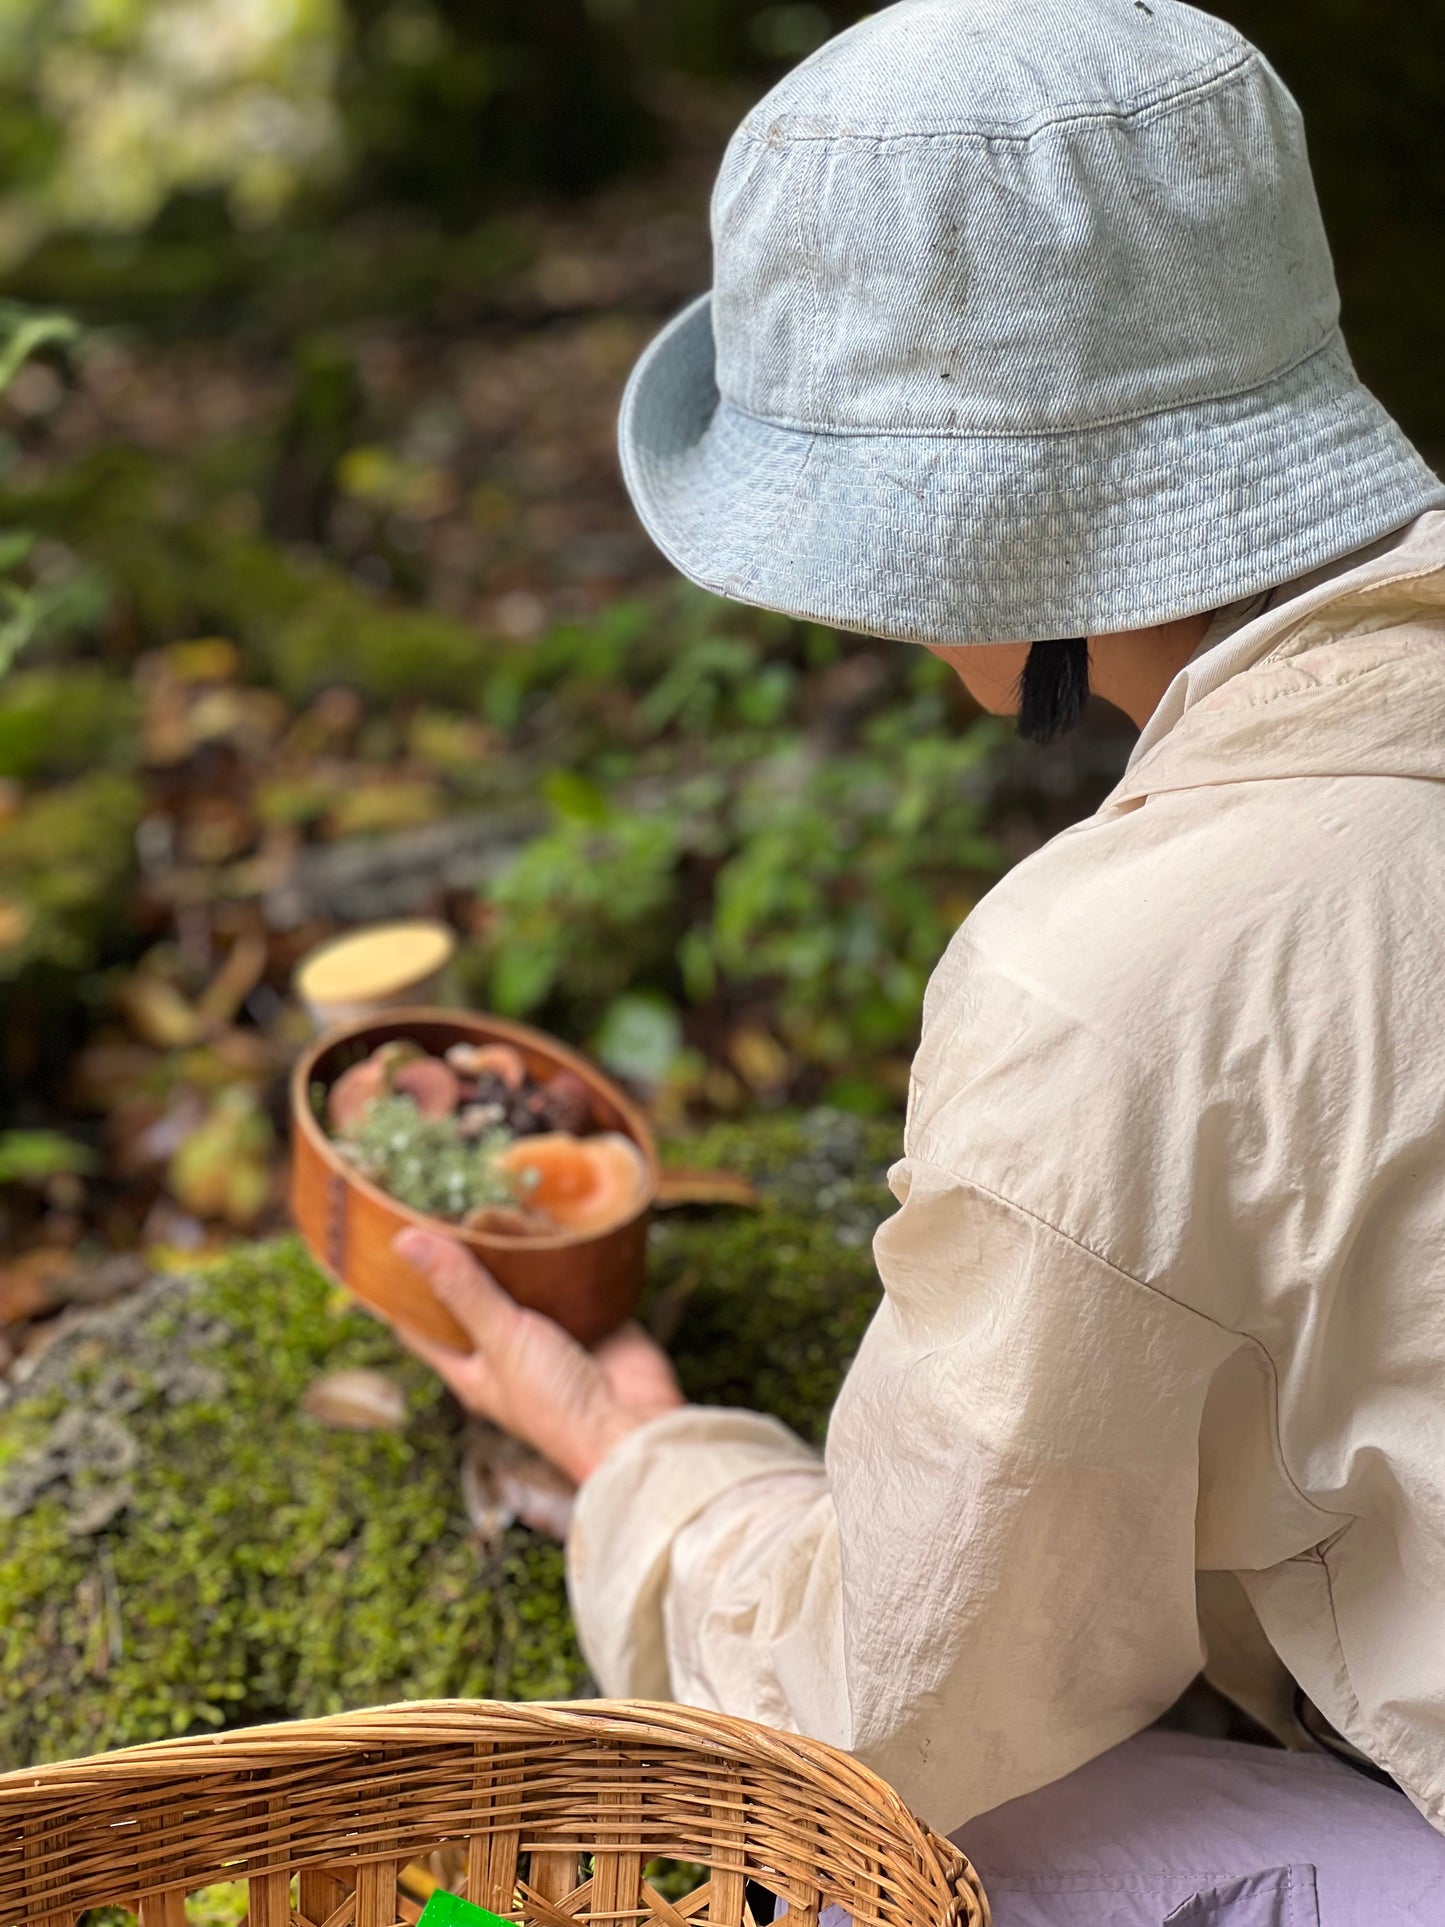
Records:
x=1024, y=325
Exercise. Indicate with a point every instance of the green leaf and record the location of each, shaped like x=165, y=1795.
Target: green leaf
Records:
x=639, y=1037
x=30, y=1157
x=19, y=622
x=23, y=334
x=521, y=977
x=15, y=545
x=574, y=798
x=698, y=965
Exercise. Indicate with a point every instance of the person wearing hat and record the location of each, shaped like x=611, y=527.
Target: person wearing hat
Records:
x=1023, y=347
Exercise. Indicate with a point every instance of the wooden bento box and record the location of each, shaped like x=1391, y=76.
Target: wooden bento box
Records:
x=588, y=1281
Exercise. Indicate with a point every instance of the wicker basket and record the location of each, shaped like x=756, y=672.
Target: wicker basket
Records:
x=525, y=1792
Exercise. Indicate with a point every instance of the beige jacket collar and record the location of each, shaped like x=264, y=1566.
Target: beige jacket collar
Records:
x=1334, y=684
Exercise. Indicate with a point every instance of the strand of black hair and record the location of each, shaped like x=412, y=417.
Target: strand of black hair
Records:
x=1053, y=689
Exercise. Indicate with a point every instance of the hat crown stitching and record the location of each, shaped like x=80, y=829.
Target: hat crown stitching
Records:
x=1151, y=242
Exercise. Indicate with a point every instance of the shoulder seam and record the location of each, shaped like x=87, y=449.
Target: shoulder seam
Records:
x=1157, y=1291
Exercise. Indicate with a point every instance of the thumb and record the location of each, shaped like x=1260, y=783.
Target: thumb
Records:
x=466, y=1288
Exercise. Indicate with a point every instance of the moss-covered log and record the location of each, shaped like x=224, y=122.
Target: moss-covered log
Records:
x=185, y=1547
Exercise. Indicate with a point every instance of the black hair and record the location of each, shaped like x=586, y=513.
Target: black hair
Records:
x=1053, y=688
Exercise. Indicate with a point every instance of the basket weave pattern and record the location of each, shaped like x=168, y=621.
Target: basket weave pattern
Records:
x=527, y=1791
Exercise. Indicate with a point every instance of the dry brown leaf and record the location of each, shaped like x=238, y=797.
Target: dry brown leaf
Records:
x=157, y=1012
x=504, y=1481
x=203, y=659
x=541, y=1496
x=356, y=1401
x=215, y=829
x=15, y=922
x=235, y=980
x=666, y=1308
x=679, y=1186
x=759, y=1059
x=488, y=1511
x=30, y=1284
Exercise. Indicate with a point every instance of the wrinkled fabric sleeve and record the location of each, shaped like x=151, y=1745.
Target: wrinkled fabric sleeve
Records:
x=629, y=1514
x=991, y=1577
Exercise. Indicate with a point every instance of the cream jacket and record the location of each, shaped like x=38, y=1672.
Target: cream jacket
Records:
x=1164, y=1297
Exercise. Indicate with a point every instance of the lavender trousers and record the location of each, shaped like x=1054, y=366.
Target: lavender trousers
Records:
x=1209, y=1833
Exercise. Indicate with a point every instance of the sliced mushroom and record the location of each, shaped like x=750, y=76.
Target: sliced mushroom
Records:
x=430, y=1084
x=354, y=1093
x=500, y=1060
x=509, y=1221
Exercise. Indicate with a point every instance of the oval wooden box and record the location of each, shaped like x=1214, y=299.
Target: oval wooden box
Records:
x=589, y=1282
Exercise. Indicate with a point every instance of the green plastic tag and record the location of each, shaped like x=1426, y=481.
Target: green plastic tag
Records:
x=450, y=1910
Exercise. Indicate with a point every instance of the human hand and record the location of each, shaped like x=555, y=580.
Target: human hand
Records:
x=525, y=1373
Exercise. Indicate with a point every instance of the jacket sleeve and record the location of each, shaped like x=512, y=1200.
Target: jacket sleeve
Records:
x=990, y=1577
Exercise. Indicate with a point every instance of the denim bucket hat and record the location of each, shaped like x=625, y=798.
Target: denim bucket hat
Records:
x=1024, y=325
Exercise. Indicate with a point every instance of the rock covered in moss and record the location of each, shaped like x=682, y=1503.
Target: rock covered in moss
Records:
x=185, y=1547
x=768, y=1307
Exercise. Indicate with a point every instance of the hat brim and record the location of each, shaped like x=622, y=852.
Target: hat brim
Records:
x=990, y=538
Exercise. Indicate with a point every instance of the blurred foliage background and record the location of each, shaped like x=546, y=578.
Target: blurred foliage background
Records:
x=321, y=600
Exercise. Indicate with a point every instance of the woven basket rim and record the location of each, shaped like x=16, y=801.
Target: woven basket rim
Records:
x=167, y=1791
x=451, y=1721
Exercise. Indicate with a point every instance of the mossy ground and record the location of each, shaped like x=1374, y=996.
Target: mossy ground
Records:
x=189, y=1549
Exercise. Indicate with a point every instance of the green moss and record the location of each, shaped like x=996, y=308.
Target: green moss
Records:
x=775, y=1302
x=66, y=860
x=188, y=1549
x=259, y=1566
x=64, y=721
x=301, y=623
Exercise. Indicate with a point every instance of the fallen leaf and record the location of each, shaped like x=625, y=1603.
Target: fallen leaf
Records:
x=15, y=923
x=371, y=809
x=215, y=829
x=144, y=1140
x=759, y=1059
x=102, y=1280
x=489, y=1512
x=504, y=1482
x=233, y=983
x=665, y=1312
x=224, y=1167
x=170, y=1237
x=203, y=659
x=254, y=718
x=30, y=1284
x=156, y=1011
x=723, y=1091
x=705, y=1187
x=542, y=1497
x=356, y=1401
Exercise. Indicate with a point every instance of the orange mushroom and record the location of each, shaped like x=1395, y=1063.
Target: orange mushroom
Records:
x=582, y=1183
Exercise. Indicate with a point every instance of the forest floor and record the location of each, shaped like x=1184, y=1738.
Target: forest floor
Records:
x=351, y=618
